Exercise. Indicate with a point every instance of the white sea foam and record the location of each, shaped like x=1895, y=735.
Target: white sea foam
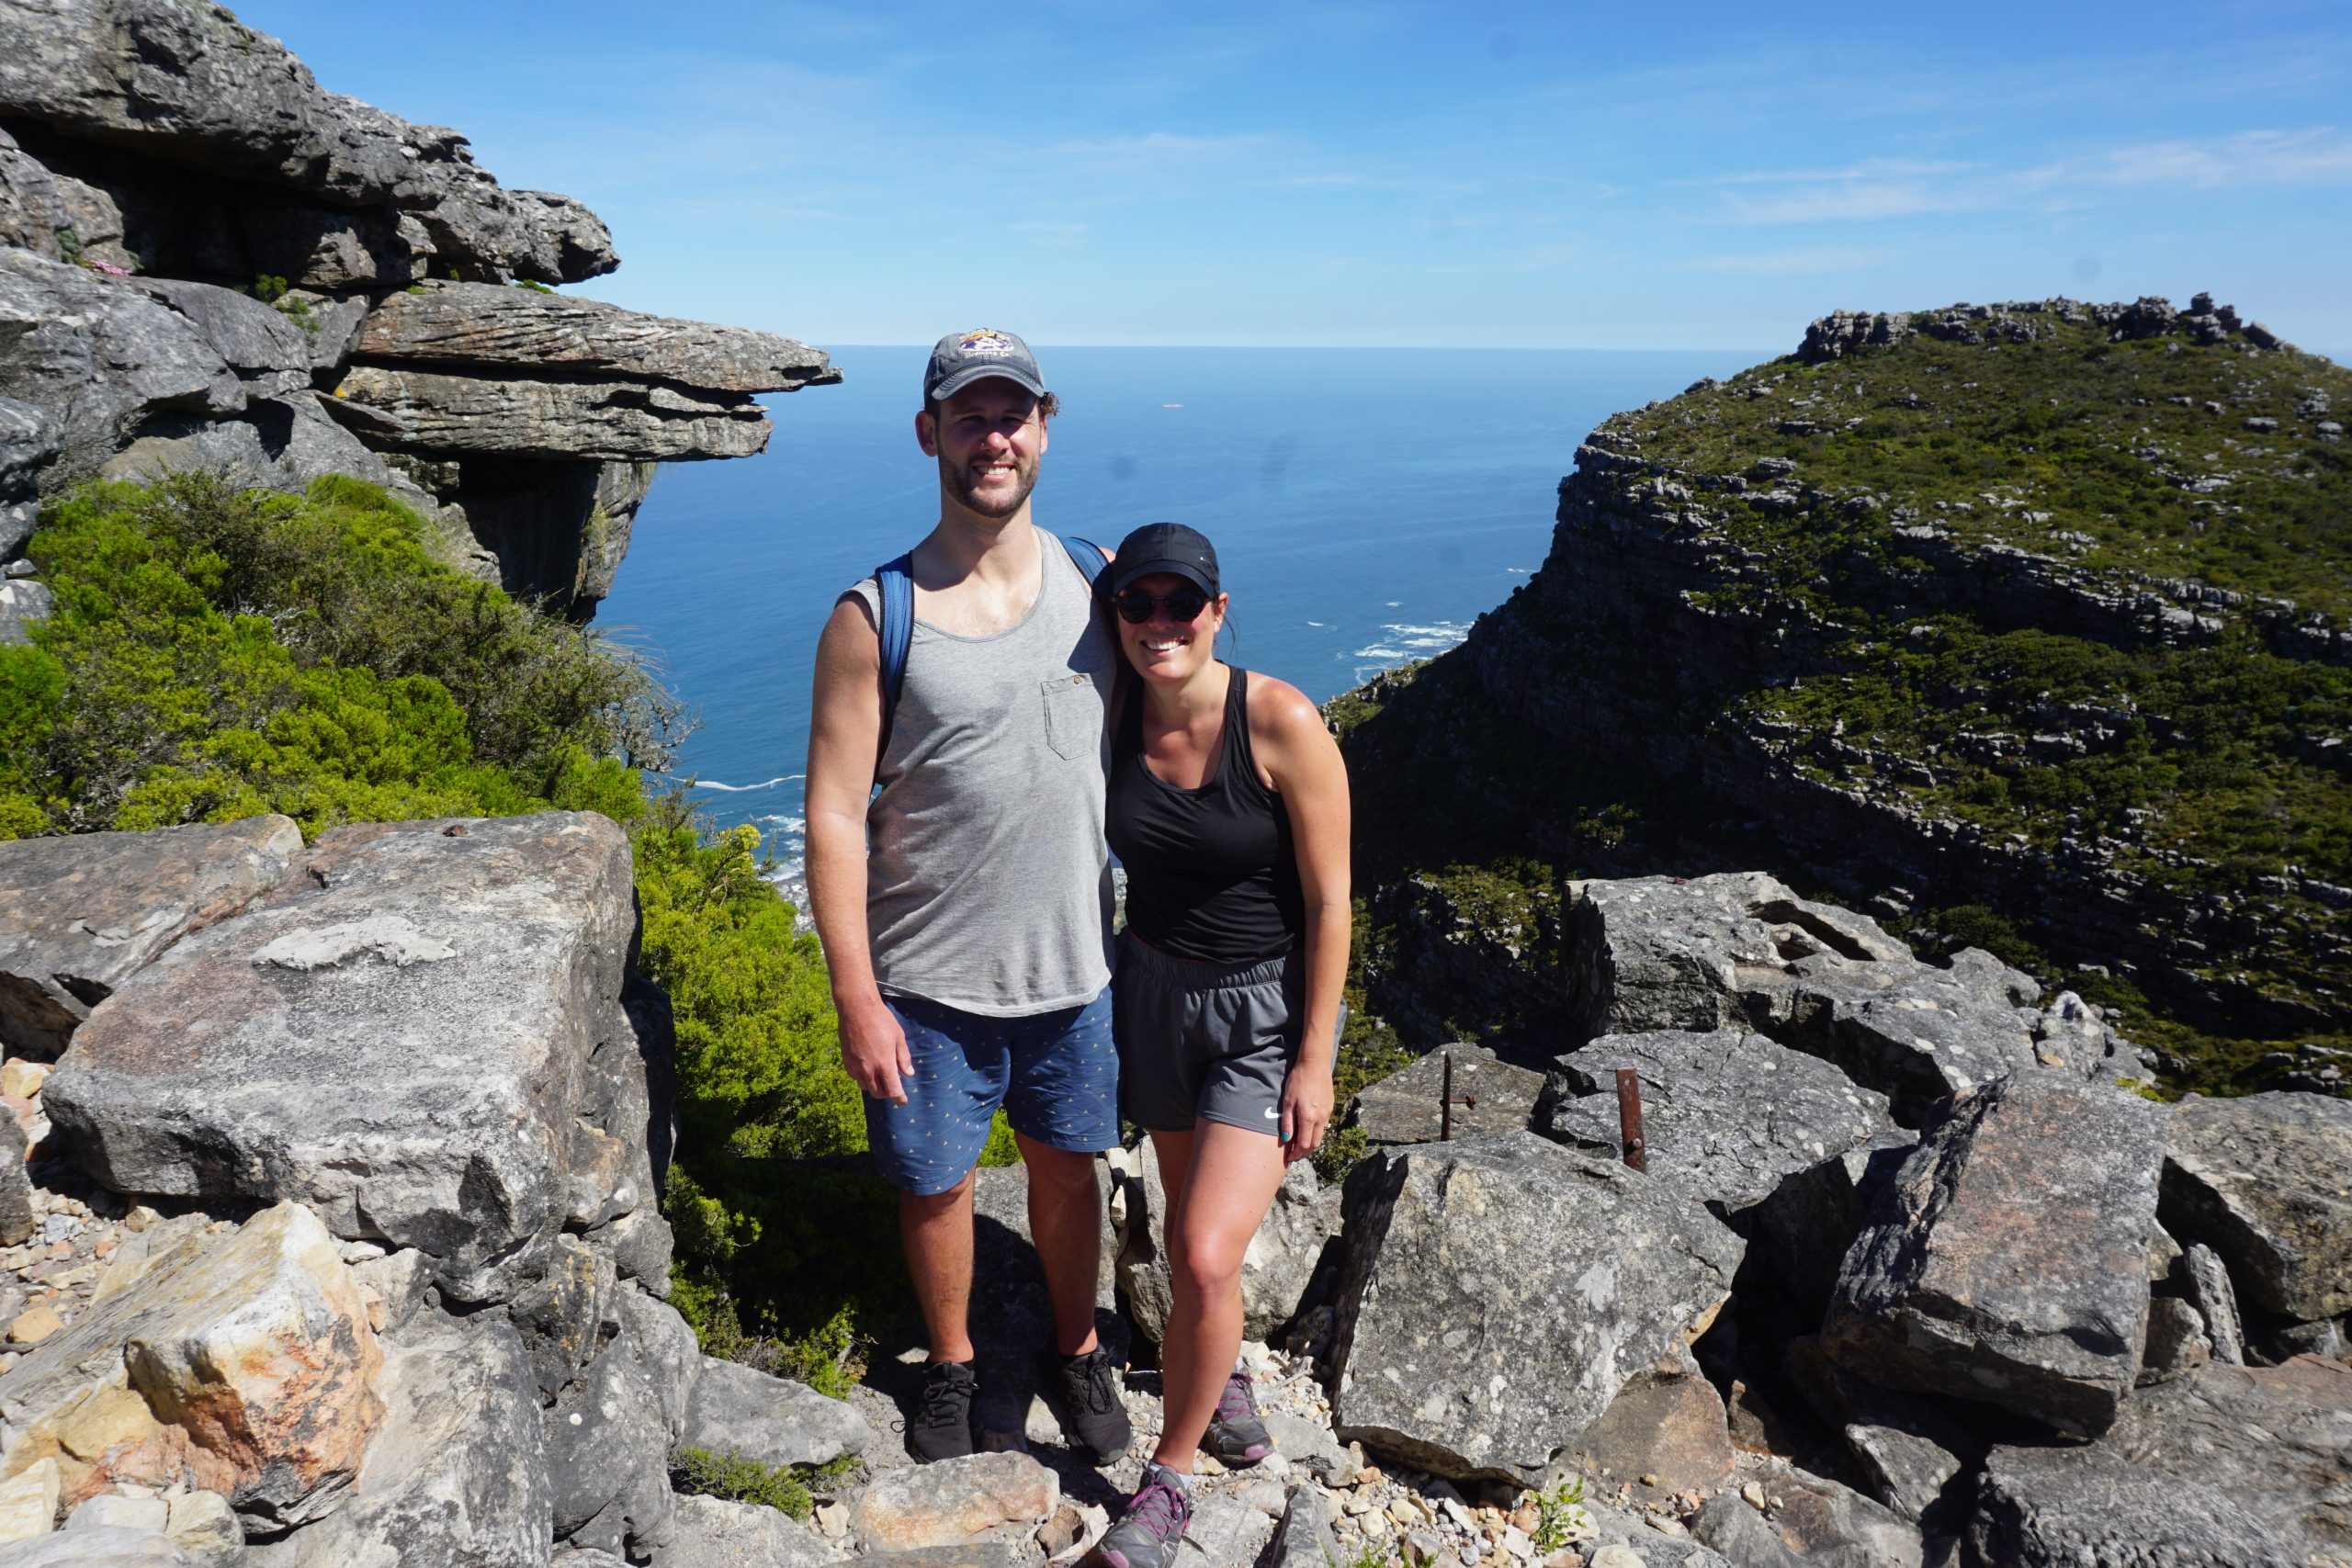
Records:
x=1315, y=623
x=745, y=789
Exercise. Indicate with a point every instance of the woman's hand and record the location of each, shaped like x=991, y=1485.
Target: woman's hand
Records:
x=1306, y=1109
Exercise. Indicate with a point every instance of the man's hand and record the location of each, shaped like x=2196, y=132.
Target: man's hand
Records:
x=874, y=1049
x=1306, y=1109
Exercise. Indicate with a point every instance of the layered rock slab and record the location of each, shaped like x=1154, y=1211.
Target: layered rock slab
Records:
x=1491, y=1097
x=242, y=1363
x=1727, y=1114
x=2276, y=1440
x=2061, y=1509
x=1500, y=1293
x=80, y=915
x=400, y=1035
x=482, y=326
x=2008, y=1261
x=441, y=415
x=2267, y=1181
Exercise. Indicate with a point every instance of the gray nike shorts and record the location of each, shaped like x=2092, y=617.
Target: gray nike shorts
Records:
x=1206, y=1040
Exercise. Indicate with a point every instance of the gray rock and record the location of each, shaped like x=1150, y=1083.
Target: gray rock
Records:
x=2267, y=1181
x=1303, y=1537
x=1403, y=1107
x=100, y=358
x=18, y=1219
x=2064, y=1508
x=2276, y=1442
x=398, y=1037
x=255, y=341
x=111, y=1511
x=31, y=210
x=1223, y=1529
x=206, y=1528
x=80, y=915
x=2178, y=1342
x=1666, y=1423
x=1500, y=1292
x=1916, y=1453
x=2216, y=1300
x=1741, y=950
x=1665, y=953
x=566, y=1314
x=1819, y=1524
x=550, y=532
x=193, y=86
x=1802, y=1231
x=1310, y=1447
x=456, y=1477
x=1276, y=1267
x=106, y=1547
x=711, y=1532
x=22, y=603
x=741, y=1410
x=1626, y=1541
x=978, y=1554
x=667, y=1349
x=438, y=415
x=2008, y=1261
x=609, y=1440
x=1727, y=1115
x=482, y=326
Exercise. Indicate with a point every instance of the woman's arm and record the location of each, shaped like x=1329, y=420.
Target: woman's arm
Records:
x=1302, y=762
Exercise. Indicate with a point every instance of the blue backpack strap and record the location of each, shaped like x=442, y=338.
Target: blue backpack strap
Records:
x=1087, y=555
x=894, y=581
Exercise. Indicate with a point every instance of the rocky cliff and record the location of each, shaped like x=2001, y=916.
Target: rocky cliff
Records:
x=208, y=260
x=2024, y=616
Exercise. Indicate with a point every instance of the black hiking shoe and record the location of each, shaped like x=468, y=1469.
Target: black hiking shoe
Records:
x=1236, y=1434
x=942, y=1427
x=1092, y=1412
x=1147, y=1534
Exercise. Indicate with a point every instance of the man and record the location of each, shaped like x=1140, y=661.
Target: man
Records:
x=965, y=907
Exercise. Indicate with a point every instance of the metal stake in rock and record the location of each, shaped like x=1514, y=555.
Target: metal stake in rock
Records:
x=1446, y=1102
x=1629, y=1118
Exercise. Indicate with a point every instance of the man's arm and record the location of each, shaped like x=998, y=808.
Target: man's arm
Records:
x=844, y=733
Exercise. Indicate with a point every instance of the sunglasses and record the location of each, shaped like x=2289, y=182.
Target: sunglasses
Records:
x=1135, y=606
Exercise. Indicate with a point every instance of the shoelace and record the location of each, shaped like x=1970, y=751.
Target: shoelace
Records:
x=1159, y=1509
x=1101, y=1392
x=942, y=1401
x=1234, y=1403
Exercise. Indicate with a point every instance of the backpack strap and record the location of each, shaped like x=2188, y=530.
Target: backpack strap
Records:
x=894, y=580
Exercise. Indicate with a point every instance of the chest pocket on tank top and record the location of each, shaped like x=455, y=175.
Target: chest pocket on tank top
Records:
x=1073, y=717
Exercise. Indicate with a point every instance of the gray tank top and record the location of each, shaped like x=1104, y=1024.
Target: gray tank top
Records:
x=987, y=883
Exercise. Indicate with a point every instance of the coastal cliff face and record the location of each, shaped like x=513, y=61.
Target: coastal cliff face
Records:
x=2030, y=612
x=209, y=261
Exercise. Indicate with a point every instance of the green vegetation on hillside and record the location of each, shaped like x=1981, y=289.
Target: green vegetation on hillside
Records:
x=215, y=653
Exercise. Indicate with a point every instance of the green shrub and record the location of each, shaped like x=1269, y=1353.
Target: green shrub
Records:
x=739, y=1480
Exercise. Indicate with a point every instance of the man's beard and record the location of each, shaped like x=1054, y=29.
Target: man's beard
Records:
x=957, y=477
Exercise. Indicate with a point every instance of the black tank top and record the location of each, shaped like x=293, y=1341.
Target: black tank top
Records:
x=1212, y=873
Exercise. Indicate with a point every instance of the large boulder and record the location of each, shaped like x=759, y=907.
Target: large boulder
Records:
x=2064, y=1508
x=2008, y=1261
x=712, y=1532
x=400, y=1035
x=458, y=1476
x=242, y=1363
x=1727, y=1114
x=1490, y=1096
x=608, y=1440
x=192, y=85
x=480, y=325
x=955, y=1501
x=80, y=915
x=2267, y=1181
x=1500, y=1293
x=1741, y=950
x=742, y=1411
x=438, y=415
x=1276, y=1267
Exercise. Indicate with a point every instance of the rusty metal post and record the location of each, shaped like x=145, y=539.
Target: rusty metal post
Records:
x=1629, y=1118
x=1445, y=1104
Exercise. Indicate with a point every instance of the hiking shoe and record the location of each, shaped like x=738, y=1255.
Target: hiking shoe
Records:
x=1148, y=1533
x=942, y=1427
x=1091, y=1411
x=1236, y=1434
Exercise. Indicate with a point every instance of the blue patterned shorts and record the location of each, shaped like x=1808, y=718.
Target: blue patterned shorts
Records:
x=1057, y=1075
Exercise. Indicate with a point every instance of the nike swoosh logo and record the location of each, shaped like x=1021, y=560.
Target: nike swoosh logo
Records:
x=1272, y=1115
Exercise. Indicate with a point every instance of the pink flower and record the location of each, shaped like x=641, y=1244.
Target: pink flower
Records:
x=108, y=267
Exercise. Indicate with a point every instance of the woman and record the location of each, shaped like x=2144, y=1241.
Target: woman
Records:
x=1229, y=806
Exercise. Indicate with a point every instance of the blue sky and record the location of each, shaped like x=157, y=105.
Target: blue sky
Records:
x=1658, y=176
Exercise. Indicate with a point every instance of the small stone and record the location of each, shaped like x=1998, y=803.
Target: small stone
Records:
x=139, y=1217
x=1649, y=1480
x=1752, y=1493
x=1422, y=1547
x=1056, y=1536
x=203, y=1525
x=832, y=1519
x=1403, y=1512
x=28, y=1501
x=34, y=1324
x=23, y=1078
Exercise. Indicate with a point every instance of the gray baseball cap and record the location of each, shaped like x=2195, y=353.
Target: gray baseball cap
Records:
x=961, y=358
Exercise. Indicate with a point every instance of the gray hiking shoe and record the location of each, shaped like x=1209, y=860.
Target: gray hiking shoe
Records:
x=1236, y=1434
x=1091, y=1411
x=1148, y=1533
x=942, y=1427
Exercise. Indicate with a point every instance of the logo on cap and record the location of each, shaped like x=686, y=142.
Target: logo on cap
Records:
x=990, y=345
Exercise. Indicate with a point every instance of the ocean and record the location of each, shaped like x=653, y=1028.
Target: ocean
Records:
x=1367, y=506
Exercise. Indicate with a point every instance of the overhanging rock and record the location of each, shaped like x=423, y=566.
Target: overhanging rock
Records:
x=404, y=1035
